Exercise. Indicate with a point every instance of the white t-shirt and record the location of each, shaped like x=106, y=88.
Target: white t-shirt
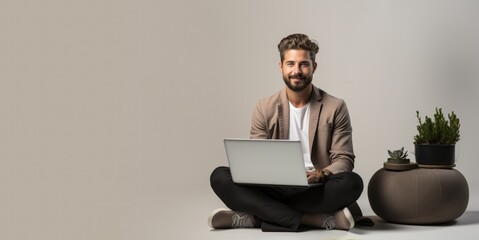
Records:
x=299, y=130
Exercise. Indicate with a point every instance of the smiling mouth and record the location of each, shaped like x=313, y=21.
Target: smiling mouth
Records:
x=296, y=79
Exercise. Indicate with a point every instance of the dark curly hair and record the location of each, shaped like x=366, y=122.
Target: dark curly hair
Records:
x=298, y=41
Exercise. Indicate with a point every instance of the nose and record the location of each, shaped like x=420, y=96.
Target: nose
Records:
x=296, y=69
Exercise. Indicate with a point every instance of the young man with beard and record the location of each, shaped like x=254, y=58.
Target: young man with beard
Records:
x=300, y=111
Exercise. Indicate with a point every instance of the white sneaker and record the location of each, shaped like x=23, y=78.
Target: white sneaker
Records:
x=340, y=220
x=223, y=218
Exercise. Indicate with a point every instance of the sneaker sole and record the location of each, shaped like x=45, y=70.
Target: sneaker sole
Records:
x=349, y=216
x=210, y=217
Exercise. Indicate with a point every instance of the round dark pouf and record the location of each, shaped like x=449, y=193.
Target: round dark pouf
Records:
x=418, y=196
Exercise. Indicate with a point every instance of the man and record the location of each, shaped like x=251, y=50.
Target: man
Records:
x=321, y=122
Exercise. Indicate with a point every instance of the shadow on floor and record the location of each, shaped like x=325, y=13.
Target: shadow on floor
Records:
x=468, y=218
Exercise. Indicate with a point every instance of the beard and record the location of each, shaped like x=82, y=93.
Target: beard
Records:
x=298, y=87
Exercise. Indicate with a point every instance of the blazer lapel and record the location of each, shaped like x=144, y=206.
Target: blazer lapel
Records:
x=283, y=116
x=314, y=115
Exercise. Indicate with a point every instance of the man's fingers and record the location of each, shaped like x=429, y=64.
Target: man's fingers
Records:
x=312, y=178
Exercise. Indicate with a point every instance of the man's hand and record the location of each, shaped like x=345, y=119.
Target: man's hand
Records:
x=316, y=176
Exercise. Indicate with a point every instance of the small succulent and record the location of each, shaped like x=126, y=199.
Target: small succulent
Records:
x=398, y=156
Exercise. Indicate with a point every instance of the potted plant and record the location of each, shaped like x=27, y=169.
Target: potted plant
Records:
x=436, y=139
x=398, y=161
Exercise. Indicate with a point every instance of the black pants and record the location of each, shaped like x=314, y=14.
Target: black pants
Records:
x=281, y=208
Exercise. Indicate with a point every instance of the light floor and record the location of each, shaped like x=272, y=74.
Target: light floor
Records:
x=191, y=223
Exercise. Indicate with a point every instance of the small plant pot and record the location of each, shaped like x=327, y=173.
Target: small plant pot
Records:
x=435, y=154
x=399, y=164
x=398, y=161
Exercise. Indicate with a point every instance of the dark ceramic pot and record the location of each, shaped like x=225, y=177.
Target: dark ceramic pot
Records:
x=398, y=161
x=435, y=154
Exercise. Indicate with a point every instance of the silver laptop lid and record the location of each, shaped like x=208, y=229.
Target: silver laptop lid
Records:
x=268, y=162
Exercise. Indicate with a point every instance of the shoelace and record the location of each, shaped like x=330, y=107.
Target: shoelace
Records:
x=329, y=223
x=241, y=220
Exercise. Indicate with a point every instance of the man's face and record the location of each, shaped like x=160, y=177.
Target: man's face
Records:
x=297, y=69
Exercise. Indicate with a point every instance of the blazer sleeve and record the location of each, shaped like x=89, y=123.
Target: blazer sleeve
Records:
x=259, y=128
x=341, y=152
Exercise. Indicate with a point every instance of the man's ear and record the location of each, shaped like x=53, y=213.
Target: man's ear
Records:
x=314, y=66
x=280, y=64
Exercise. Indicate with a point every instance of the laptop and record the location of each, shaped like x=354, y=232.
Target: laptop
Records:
x=267, y=162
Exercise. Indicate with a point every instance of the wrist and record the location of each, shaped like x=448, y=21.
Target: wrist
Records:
x=325, y=174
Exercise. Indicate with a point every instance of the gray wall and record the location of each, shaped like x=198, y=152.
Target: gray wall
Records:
x=108, y=106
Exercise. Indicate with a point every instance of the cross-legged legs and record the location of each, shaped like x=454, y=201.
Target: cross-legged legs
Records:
x=285, y=207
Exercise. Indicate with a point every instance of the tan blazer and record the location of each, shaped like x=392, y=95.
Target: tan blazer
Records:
x=330, y=132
